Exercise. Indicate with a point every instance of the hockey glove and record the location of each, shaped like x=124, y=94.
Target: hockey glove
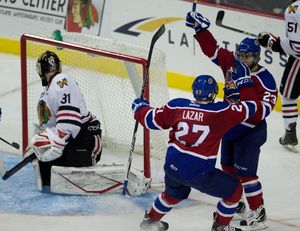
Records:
x=197, y=21
x=138, y=104
x=49, y=145
x=241, y=75
x=267, y=40
x=232, y=95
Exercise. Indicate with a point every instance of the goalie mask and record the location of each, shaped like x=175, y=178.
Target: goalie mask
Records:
x=247, y=48
x=205, y=88
x=48, y=62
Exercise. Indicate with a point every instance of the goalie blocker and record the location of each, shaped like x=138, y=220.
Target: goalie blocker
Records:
x=95, y=180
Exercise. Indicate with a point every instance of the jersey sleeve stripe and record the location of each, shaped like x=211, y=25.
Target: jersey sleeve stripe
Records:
x=250, y=106
x=59, y=115
x=69, y=108
x=214, y=58
x=67, y=121
x=267, y=107
x=87, y=118
x=150, y=121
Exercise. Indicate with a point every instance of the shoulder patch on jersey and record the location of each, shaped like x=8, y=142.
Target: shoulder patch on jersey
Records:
x=292, y=9
x=62, y=83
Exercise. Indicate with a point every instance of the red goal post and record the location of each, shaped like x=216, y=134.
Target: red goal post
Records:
x=110, y=75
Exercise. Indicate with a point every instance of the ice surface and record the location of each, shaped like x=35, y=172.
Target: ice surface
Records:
x=23, y=208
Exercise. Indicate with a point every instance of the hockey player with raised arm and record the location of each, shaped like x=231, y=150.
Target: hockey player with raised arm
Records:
x=241, y=145
x=67, y=134
x=197, y=127
x=290, y=81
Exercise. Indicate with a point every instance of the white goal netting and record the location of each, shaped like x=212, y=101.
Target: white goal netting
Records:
x=110, y=75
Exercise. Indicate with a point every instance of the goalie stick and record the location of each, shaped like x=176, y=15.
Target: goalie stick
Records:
x=8, y=173
x=155, y=37
x=13, y=144
x=219, y=22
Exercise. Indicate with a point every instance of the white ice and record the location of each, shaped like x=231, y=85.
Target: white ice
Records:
x=279, y=173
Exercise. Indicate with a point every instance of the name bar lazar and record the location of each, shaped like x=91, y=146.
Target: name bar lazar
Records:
x=192, y=115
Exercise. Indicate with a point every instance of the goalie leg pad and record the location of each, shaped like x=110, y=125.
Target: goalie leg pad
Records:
x=138, y=184
x=97, y=180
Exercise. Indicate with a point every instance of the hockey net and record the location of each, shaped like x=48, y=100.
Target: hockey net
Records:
x=110, y=76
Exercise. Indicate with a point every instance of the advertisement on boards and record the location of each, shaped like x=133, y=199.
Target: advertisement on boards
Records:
x=136, y=23
x=45, y=16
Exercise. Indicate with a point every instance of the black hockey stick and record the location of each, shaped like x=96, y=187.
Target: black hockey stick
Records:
x=194, y=5
x=155, y=37
x=8, y=173
x=13, y=144
x=219, y=22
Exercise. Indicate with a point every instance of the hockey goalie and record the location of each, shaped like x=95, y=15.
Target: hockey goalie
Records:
x=67, y=140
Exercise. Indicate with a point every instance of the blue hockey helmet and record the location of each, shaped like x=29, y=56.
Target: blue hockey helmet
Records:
x=205, y=88
x=249, y=47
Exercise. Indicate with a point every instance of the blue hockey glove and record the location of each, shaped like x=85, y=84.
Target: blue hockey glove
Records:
x=197, y=21
x=138, y=104
x=241, y=75
x=232, y=95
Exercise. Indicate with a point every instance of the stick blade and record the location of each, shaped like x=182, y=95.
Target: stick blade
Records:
x=158, y=34
x=155, y=37
x=15, y=145
x=220, y=17
x=2, y=168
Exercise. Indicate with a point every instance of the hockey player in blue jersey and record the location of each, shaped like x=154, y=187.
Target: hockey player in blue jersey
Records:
x=197, y=127
x=240, y=148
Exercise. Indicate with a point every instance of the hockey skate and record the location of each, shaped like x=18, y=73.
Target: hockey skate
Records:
x=289, y=140
x=217, y=227
x=240, y=212
x=255, y=219
x=151, y=225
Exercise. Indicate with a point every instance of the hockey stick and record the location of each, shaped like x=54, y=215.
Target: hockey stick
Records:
x=13, y=144
x=155, y=37
x=219, y=22
x=194, y=5
x=8, y=173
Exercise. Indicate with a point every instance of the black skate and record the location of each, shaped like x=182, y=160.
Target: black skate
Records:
x=217, y=227
x=240, y=212
x=241, y=207
x=149, y=224
x=289, y=140
x=255, y=219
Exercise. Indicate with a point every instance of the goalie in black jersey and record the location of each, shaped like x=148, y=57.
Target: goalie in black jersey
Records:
x=67, y=134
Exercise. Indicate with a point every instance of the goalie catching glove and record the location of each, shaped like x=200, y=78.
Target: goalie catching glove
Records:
x=49, y=144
